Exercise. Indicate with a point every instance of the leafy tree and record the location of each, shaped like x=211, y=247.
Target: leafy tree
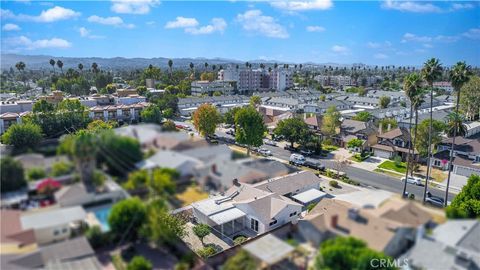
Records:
x=208, y=76
x=142, y=90
x=163, y=227
x=139, y=263
x=205, y=119
x=168, y=113
x=229, y=117
x=249, y=127
x=331, y=121
x=386, y=122
x=423, y=133
x=95, y=237
x=470, y=98
x=23, y=135
x=151, y=114
x=169, y=125
x=35, y=174
x=201, y=231
x=355, y=143
x=348, y=253
x=384, y=101
x=291, y=129
x=12, y=175
x=163, y=181
x=363, y=116
x=255, y=101
x=127, y=217
x=99, y=125
x=111, y=88
x=118, y=153
x=42, y=106
x=61, y=168
x=466, y=204
x=240, y=261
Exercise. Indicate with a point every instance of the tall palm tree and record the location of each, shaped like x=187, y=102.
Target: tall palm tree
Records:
x=206, y=66
x=411, y=84
x=431, y=71
x=417, y=102
x=191, y=67
x=80, y=66
x=84, y=153
x=60, y=65
x=94, y=67
x=52, y=63
x=214, y=67
x=456, y=125
x=459, y=75
x=20, y=66
x=170, y=65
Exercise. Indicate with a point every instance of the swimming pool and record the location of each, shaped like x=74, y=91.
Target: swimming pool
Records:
x=101, y=213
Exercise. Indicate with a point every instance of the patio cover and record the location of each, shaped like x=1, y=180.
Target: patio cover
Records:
x=269, y=249
x=226, y=216
x=309, y=195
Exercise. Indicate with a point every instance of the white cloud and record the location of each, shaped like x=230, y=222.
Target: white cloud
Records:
x=315, y=28
x=150, y=23
x=54, y=14
x=460, y=6
x=447, y=39
x=379, y=45
x=24, y=43
x=11, y=27
x=303, y=5
x=429, y=46
x=473, y=33
x=181, y=22
x=133, y=6
x=339, y=49
x=254, y=21
x=410, y=6
x=84, y=32
x=380, y=56
x=217, y=25
x=409, y=37
x=412, y=37
x=112, y=21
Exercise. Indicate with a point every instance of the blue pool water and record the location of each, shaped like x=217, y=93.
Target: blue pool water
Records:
x=101, y=213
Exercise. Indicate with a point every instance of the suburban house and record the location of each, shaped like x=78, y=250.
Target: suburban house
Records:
x=255, y=209
x=353, y=129
x=314, y=122
x=392, y=143
x=322, y=106
x=183, y=164
x=452, y=245
x=331, y=218
x=466, y=153
x=14, y=239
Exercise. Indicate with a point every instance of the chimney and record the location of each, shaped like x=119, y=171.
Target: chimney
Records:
x=334, y=221
x=389, y=127
x=235, y=182
x=214, y=168
x=380, y=126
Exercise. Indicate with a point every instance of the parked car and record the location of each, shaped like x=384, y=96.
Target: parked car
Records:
x=269, y=142
x=264, y=152
x=314, y=165
x=230, y=132
x=306, y=152
x=278, y=138
x=413, y=180
x=290, y=148
x=435, y=201
x=297, y=159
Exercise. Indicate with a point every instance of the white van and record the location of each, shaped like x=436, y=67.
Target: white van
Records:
x=413, y=180
x=297, y=159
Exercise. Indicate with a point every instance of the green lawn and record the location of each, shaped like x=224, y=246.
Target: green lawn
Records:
x=390, y=165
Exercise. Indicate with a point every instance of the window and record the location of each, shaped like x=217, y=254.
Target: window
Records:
x=293, y=214
x=273, y=222
x=254, y=224
x=56, y=232
x=64, y=230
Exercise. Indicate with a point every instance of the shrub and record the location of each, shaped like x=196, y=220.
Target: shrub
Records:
x=61, y=168
x=333, y=183
x=139, y=263
x=207, y=251
x=12, y=175
x=96, y=237
x=411, y=196
x=35, y=174
x=311, y=206
x=239, y=240
x=398, y=161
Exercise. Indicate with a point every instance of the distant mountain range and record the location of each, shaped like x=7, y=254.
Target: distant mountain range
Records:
x=36, y=62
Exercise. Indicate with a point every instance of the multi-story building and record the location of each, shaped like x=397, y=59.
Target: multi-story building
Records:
x=336, y=81
x=251, y=80
x=200, y=88
x=447, y=86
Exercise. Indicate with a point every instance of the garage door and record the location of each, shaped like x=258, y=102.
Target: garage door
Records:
x=466, y=171
x=381, y=153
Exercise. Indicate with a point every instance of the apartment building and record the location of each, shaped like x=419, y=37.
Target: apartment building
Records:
x=336, y=81
x=200, y=88
x=250, y=80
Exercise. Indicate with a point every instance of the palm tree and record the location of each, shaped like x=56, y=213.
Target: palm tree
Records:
x=417, y=102
x=411, y=84
x=431, y=71
x=214, y=67
x=275, y=66
x=94, y=67
x=191, y=67
x=52, y=63
x=20, y=66
x=60, y=65
x=206, y=66
x=170, y=65
x=247, y=64
x=456, y=125
x=84, y=153
x=80, y=66
x=459, y=75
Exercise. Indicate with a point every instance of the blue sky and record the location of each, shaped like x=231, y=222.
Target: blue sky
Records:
x=372, y=32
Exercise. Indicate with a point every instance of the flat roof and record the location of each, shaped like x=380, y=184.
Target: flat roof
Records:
x=309, y=195
x=210, y=206
x=52, y=217
x=269, y=249
x=227, y=215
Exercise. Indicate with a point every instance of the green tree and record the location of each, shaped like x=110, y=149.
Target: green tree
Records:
x=249, y=127
x=163, y=227
x=423, y=135
x=388, y=122
x=99, y=125
x=355, y=143
x=255, y=101
x=466, y=204
x=36, y=174
x=201, y=231
x=168, y=113
x=139, y=263
x=229, y=117
x=240, y=261
x=384, y=101
x=151, y=114
x=331, y=121
x=96, y=237
x=363, y=116
x=142, y=90
x=456, y=125
x=470, y=98
x=291, y=129
x=42, y=106
x=205, y=119
x=348, y=253
x=127, y=217
x=61, y=168
x=169, y=125
x=23, y=135
x=12, y=175
x=118, y=153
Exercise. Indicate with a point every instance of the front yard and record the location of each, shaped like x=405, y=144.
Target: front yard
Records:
x=392, y=166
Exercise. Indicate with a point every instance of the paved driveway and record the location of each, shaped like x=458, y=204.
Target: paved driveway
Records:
x=369, y=164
